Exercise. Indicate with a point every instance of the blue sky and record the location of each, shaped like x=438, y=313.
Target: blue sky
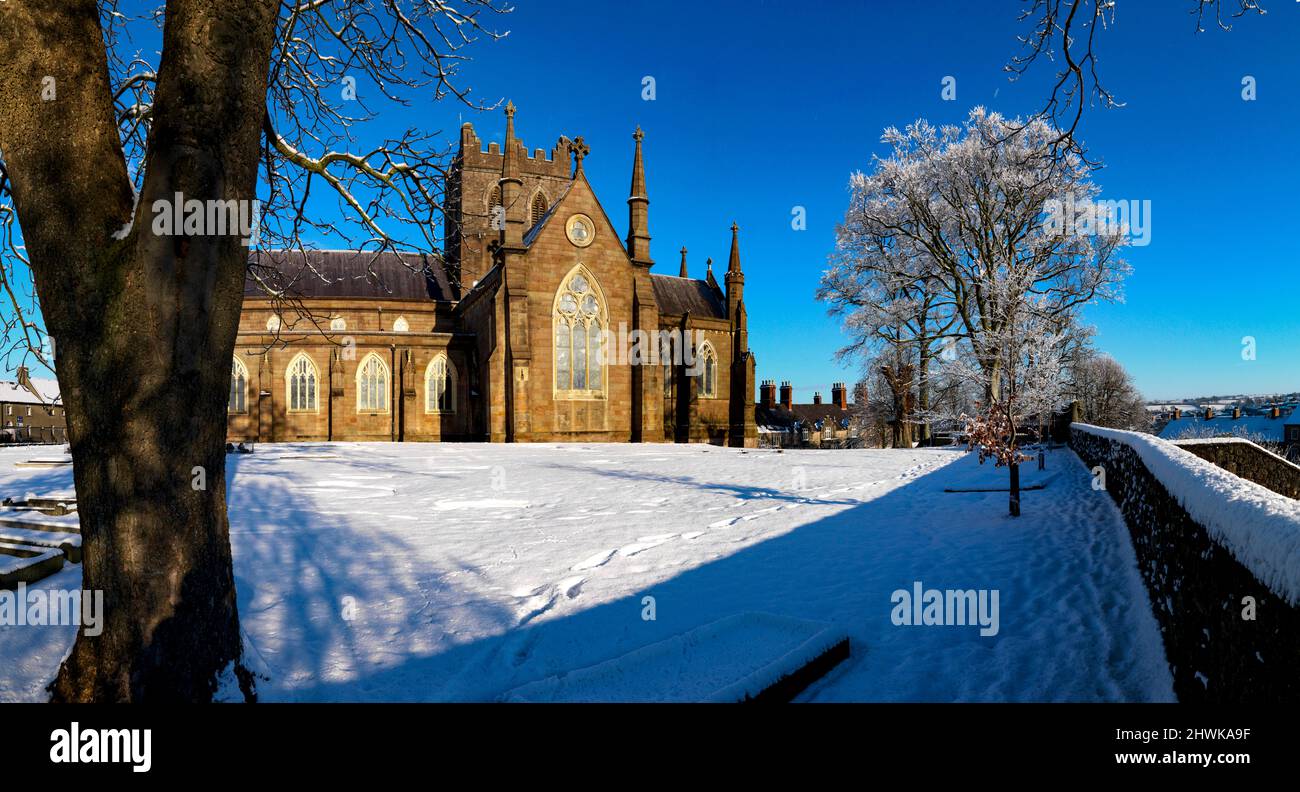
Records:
x=764, y=106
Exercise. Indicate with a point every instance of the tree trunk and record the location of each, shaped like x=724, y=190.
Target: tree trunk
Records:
x=144, y=325
x=923, y=395
x=151, y=496
x=1015, y=489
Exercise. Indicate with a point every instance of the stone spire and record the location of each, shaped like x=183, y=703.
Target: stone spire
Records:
x=733, y=265
x=683, y=274
x=511, y=186
x=735, y=279
x=638, y=209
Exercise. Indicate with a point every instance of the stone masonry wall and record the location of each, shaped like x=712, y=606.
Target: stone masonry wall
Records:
x=1197, y=588
x=1244, y=458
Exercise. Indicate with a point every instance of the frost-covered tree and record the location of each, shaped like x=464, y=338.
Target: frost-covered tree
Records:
x=962, y=226
x=1032, y=380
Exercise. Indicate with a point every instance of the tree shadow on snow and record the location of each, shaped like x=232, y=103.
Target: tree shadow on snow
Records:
x=1066, y=627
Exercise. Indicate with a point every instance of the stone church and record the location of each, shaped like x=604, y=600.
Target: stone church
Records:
x=538, y=323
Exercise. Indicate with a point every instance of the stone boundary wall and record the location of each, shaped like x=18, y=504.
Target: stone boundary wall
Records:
x=1243, y=458
x=1195, y=581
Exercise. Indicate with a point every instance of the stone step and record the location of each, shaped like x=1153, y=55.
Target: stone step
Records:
x=67, y=543
x=35, y=521
x=743, y=657
x=21, y=563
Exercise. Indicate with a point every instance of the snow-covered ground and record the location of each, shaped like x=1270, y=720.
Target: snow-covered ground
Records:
x=388, y=572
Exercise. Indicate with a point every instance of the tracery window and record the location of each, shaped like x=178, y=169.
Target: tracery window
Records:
x=579, y=325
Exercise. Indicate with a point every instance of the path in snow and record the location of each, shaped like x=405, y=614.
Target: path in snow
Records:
x=458, y=572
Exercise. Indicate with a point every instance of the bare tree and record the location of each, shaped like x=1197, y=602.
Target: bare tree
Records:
x=1068, y=34
x=98, y=145
x=1105, y=392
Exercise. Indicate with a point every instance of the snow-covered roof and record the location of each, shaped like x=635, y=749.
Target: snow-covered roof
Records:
x=1248, y=426
x=13, y=393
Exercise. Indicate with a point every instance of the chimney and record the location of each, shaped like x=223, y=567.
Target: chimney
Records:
x=840, y=395
x=787, y=395
x=1275, y=413
x=817, y=398
x=1236, y=412
x=1209, y=413
x=767, y=394
x=1177, y=413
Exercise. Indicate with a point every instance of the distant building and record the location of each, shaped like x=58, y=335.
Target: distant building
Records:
x=817, y=425
x=1207, y=422
x=31, y=411
x=1291, y=429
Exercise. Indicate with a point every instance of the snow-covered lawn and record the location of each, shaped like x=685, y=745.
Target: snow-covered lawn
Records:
x=461, y=572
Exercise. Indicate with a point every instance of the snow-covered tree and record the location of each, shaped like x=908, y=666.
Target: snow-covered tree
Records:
x=1030, y=381
x=975, y=218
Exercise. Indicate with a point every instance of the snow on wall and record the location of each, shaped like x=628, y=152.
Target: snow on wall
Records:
x=1258, y=526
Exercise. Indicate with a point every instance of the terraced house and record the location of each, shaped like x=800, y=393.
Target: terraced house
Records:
x=538, y=323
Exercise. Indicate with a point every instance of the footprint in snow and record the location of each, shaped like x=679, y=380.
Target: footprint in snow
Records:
x=599, y=559
x=645, y=543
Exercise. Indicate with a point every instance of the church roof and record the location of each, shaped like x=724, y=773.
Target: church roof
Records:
x=676, y=296
x=349, y=274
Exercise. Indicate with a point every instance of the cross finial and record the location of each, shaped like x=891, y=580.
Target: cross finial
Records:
x=734, y=227
x=510, y=109
x=579, y=149
x=638, y=135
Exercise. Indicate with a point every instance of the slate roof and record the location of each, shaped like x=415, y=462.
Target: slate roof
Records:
x=676, y=296
x=1195, y=426
x=807, y=414
x=350, y=274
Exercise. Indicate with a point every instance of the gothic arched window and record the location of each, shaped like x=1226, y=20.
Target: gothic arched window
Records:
x=238, y=401
x=372, y=385
x=708, y=371
x=579, y=326
x=302, y=383
x=440, y=386
x=539, y=208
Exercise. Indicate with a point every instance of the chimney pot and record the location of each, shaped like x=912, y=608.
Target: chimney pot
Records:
x=817, y=398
